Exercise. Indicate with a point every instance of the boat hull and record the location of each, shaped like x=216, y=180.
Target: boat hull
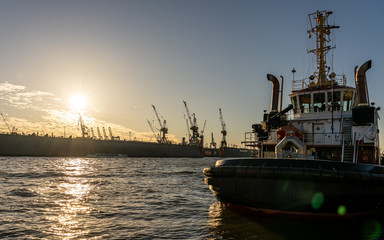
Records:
x=306, y=188
x=20, y=145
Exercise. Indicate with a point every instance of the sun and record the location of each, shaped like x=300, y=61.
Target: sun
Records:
x=78, y=102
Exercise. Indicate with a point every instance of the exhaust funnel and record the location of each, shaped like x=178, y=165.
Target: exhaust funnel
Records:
x=275, y=92
x=361, y=84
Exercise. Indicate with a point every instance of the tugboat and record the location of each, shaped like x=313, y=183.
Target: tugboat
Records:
x=321, y=161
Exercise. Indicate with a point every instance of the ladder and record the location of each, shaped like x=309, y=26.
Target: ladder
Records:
x=346, y=129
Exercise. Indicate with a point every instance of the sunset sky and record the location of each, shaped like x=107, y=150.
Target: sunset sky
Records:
x=119, y=57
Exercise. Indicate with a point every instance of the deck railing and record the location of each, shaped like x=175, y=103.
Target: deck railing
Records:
x=327, y=138
x=307, y=82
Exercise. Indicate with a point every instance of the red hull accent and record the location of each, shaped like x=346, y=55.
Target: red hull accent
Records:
x=298, y=215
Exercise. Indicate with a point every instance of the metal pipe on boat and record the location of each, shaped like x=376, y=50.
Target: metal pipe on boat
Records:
x=284, y=111
x=275, y=92
x=361, y=84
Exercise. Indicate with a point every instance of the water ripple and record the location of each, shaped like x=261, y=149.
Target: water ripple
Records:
x=122, y=198
x=23, y=192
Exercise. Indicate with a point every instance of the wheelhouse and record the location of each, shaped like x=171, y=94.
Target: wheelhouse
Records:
x=340, y=98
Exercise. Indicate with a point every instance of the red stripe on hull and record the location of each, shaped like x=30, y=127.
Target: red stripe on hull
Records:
x=293, y=214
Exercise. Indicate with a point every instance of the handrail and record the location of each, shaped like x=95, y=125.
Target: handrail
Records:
x=342, y=149
x=354, y=149
x=340, y=79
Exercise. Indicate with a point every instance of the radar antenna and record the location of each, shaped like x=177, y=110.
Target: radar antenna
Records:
x=322, y=30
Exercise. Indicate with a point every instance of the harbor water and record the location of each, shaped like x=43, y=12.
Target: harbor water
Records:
x=137, y=198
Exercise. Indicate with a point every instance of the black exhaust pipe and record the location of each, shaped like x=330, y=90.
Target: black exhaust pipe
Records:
x=361, y=84
x=275, y=92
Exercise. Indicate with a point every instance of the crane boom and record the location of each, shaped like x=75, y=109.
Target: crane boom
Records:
x=157, y=116
x=202, y=131
x=154, y=133
x=188, y=114
x=9, y=129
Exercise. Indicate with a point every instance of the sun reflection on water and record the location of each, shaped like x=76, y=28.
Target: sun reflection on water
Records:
x=69, y=216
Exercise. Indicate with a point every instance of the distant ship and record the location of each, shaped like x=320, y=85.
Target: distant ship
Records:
x=32, y=145
x=89, y=145
x=323, y=162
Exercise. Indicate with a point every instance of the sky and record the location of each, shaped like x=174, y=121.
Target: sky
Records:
x=121, y=57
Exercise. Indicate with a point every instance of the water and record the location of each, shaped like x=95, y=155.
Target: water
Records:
x=136, y=198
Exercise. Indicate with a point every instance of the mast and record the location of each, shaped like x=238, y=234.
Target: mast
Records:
x=322, y=30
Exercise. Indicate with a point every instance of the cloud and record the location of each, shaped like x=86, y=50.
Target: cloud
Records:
x=55, y=118
x=17, y=96
x=8, y=87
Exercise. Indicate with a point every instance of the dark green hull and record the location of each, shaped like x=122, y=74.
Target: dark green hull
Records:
x=298, y=187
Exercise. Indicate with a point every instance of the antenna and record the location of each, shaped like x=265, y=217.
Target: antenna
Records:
x=322, y=30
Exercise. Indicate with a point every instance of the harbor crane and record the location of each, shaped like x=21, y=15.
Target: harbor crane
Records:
x=99, y=134
x=202, y=133
x=11, y=131
x=223, y=131
x=194, y=139
x=157, y=137
x=105, y=134
x=163, y=127
x=111, y=135
x=93, y=133
x=83, y=127
x=213, y=143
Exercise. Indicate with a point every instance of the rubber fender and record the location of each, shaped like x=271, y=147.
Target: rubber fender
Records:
x=208, y=171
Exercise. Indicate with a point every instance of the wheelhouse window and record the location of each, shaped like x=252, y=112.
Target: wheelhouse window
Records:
x=319, y=102
x=305, y=103
x=334, y=102
x=347, y=100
